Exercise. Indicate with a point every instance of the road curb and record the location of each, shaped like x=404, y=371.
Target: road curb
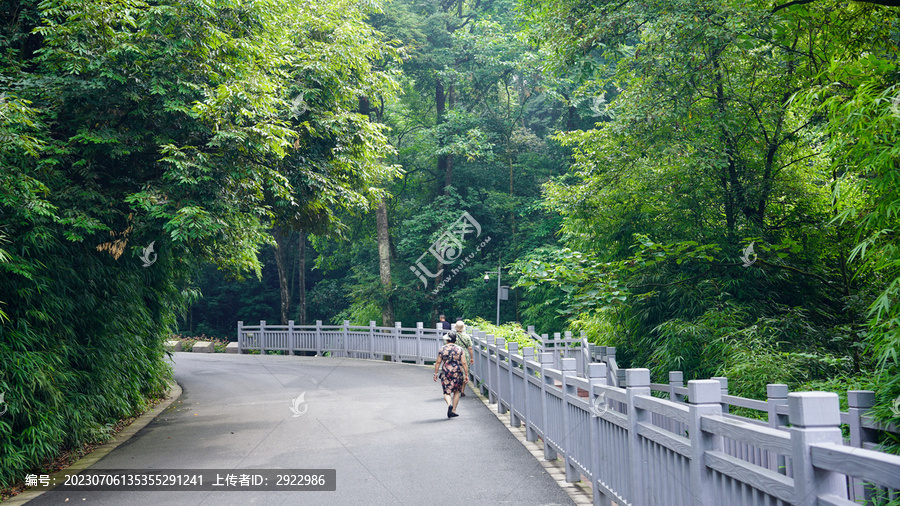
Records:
x=101, y=451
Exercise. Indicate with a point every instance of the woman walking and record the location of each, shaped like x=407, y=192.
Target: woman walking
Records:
x=454, y=372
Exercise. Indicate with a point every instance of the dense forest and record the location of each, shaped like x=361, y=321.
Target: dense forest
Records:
x=712, y=187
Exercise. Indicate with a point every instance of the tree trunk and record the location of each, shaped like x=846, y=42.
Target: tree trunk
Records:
x=384, y=263
x=448, y=169
x=301, y=289
x=443, y=161
x=731, y=182
x=281, y=263
x=381, y=227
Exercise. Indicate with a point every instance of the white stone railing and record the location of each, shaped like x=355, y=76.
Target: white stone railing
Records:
x=373, y=342
x=636, y=448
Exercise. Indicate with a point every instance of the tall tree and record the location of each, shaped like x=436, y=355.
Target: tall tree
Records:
x=703, y=151
x=338, y=156
x=141, y=140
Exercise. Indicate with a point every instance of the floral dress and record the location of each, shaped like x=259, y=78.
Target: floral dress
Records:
x=452, y=372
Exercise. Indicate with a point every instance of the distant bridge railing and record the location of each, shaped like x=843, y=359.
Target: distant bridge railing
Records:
x=398, y=343
x=636, y=448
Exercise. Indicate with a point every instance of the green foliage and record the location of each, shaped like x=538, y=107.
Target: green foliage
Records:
x=72, y=366
x=864, y=134
x=187, y=126
x=360, y=313
x=510, y=332
x=714, y=134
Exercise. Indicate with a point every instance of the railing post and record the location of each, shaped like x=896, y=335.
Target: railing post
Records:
x=240, y=337
x=372, y=325
x=262, y=337
x=420, y=327
x=531, y=329
x=501, y=343
x=637, y=382
x=621, y=378
x=776, y=395
x=859, y=402
x=489, y=372
x=723, y=381
x=530, y=434
x=611, y=362
x=527, y=354
x=513, y=350
x=584, y=353
x=596, y=373
x=815, y=418
x=290, y=339
x=476, y=357
x=397, y=326
x=556, y=350
x=569, y=368
x=546, y=362
x=676, y=380
x=484, y=369
x=346, y=338
x=705, y=398
x=320, y=341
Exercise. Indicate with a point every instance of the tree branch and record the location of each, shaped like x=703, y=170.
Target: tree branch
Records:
x=794, y=269
x=665, y=284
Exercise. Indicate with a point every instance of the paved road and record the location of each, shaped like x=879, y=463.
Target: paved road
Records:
x=382, y=426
